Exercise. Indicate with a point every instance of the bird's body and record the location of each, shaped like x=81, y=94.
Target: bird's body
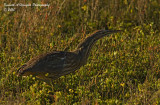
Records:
x=54, y=64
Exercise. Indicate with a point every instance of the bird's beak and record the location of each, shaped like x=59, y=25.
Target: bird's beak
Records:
x=112, y=31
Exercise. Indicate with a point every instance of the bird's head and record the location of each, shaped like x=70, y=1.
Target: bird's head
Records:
x=110, y=31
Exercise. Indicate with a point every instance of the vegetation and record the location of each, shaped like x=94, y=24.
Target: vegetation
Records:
x=123, y=68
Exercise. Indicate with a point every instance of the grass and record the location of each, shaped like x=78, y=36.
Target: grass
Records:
x=122, y=69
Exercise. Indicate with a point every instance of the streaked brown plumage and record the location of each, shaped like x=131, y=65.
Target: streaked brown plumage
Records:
x=58, y=63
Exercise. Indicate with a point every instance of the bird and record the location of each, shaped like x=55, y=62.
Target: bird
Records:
x=52, y=65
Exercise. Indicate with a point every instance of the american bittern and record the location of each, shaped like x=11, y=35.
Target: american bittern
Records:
x=58, y=63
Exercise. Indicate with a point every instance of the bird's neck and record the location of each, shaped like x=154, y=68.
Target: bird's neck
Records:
x=84, y=48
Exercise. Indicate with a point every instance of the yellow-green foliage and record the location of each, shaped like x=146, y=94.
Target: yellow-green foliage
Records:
x=122, y=69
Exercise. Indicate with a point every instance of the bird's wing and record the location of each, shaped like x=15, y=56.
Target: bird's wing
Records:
x=48, y=63
x=56, y=64
x=52, y=62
